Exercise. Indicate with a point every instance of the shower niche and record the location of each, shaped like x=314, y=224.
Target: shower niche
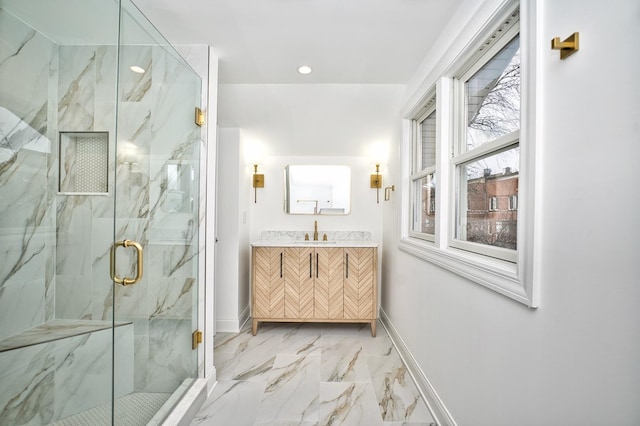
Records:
x=84, y=163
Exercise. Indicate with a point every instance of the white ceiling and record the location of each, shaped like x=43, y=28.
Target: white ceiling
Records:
x=344, y=41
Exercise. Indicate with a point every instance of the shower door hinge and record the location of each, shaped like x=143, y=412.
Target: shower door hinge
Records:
x=199, y=117
x=196, y=339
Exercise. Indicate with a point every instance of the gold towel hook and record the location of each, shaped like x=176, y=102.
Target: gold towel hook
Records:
x=567, y=47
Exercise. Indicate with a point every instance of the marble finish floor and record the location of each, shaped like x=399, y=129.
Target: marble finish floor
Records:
x=311, y=374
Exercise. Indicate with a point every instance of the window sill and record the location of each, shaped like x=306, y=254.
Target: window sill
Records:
x=497, y=275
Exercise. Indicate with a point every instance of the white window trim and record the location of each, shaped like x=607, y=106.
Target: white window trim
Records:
x=518, y=281
x=419, y=174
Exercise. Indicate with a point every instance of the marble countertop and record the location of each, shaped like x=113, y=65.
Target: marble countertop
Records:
x=297, y=243
x=297, y=239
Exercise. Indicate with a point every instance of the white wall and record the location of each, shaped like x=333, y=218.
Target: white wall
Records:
x=576, y=359
x=232, y=232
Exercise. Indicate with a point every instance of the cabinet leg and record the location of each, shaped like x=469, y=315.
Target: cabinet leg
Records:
x=373, y=328
x=254, y=327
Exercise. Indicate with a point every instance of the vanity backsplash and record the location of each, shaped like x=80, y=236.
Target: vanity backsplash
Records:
x=331, y=235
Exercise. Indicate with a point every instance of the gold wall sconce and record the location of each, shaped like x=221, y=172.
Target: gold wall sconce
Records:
x=567, y=47
x=258, y=182
x=387, y=192
x=376, y=182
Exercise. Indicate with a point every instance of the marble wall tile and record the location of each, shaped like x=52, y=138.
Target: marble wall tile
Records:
x=172, y=298
x=167, y=259
x=76, y=88
x=24, y=234
x=25, y=208
x=124, y=362
x=170, y=364
x=83, y=370
x=73, y=297
x=105, y=95
x=141, y=359
x=101, y=284
x=30, y=397
x=135, y=86
x=74, y=224
x=177, y=93
x=24, y=71
x=21, y=306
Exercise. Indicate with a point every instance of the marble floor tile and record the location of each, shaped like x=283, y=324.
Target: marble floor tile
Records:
x=343, y=360
x=348, y=403
x=311, y=374
x=397, y=394
x=231, y=402
x=292, y=390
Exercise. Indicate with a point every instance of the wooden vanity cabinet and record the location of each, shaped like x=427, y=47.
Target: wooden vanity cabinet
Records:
x=314, y=284
x=268, y=282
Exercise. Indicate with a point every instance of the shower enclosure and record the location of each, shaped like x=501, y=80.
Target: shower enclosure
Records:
x=99, y=215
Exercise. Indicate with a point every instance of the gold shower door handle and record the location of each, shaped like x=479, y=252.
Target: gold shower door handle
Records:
x=126, y=243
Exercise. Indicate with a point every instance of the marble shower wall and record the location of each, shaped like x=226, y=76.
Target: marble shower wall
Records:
x=157, y=182
x=28, y=60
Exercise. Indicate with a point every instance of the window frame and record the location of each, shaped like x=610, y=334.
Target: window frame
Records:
x=518, y=279
x=418, y=173
x=461, y=156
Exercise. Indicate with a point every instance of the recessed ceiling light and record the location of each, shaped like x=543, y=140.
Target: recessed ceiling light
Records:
x=137, y=69
x=304, y=69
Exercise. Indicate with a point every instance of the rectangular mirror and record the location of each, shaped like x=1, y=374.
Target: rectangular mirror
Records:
x=317, y=189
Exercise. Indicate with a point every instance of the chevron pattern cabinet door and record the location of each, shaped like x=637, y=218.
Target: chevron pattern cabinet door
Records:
x=299, y=267
x=268, y=282
x=360, y=282
x=329, y=284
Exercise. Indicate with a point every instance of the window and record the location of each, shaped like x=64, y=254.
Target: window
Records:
x=493, y=203
x=513, y=202
x=472, y=156
x=486, y=147
x=423, y=177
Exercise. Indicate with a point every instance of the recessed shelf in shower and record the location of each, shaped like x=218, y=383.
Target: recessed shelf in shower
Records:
x=84, y=163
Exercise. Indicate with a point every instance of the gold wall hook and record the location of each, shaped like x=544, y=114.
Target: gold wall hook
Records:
x=567, y=47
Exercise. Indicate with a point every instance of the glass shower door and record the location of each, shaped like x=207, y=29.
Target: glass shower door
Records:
x=156, y=222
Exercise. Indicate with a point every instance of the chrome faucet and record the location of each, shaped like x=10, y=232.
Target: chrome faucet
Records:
x=315, y=230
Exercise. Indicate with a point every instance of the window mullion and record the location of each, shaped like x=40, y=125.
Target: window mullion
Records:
x=493, y=147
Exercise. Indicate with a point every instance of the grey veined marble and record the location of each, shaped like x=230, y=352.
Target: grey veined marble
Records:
x=331, y=235
x=311, y=374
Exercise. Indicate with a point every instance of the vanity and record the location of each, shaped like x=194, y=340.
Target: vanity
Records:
x=294, y=280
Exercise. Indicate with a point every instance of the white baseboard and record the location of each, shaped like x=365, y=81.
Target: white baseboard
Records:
x=232, y=325
x=435, y=405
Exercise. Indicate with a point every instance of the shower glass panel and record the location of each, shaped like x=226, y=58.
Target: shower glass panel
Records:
x=91, y=154
x=157, y=202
